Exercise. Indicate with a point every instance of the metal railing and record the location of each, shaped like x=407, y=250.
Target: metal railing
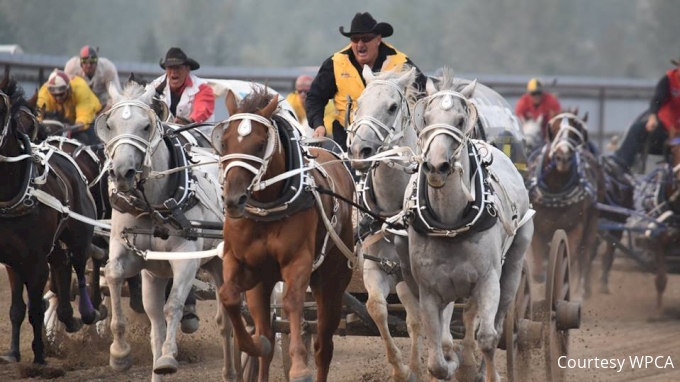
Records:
x=595, y=93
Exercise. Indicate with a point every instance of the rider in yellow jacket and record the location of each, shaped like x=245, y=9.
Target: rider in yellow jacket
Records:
x=72, y=99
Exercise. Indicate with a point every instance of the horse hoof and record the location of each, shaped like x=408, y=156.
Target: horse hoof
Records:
x=121, y=364
x=166, y=365
x=103, y=312
x=265, y=347
x=304, y=378
x=10, y=358
x=189, y=324
x=91, y=318
x=73, y=325
x=411, y=377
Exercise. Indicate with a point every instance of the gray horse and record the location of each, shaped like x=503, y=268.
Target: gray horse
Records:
x=469, y=227
x=135, y=145
x=382, y=122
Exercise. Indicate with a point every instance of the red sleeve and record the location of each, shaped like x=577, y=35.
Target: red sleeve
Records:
x=554, y=105
x=521, y=107
x=204, y=104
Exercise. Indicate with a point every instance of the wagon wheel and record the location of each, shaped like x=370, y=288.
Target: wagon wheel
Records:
x=557, y=293
x=518, y=356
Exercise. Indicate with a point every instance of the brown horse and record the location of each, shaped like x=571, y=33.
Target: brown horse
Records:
x=31, y=231
x=292, y=245
x=565, y=184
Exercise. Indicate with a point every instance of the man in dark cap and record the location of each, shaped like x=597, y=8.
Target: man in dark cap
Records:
x=340, y=75
x=97, y=71
x=189, y=98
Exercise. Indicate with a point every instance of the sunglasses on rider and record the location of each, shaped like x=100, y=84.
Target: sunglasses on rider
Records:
x=536, y=93
x=88, y=60
x=301, y=91
x=364, y=38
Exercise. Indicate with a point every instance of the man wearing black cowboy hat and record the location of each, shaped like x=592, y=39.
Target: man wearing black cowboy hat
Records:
x=663, y=117
x=340, y=75
x=189, y=98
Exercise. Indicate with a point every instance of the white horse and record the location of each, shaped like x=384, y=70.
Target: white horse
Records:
x=469, y=227
x=532, y=134
x=382, y=121
x=138, y=152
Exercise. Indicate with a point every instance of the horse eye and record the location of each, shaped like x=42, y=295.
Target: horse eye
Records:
x=147, y=127
x=393, y=108
x=260, y=147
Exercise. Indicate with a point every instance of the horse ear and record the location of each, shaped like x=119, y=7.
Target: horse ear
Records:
x=585, y=117
x=367, y=73
x=114, y=93
x=430, y=87
x=5, y=80
x=407, y=78
x=33, y=100
x=469, y=89
x=132, y=77
x=230, y=102
x=147, y=97
x=271, y=107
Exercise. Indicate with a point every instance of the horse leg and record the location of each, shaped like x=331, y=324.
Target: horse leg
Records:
x=88, y=313
x=413, y=324
x=36, y=311
x=152, y=289
x=661, y=277
x=607, y=261
x=120, y=358
x=431, y=317
x=468, y=367
x=377, y=285
x=61, y=282
x=236, y=279
x=487, y=295
x=229, y=372
x=17, y=313
x=296, y=277
x=259, y=304
x=183, y=274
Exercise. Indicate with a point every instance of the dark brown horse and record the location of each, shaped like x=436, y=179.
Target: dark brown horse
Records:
x=565, y=184
x=31, y=232
x=260, y=250
x=664, y=205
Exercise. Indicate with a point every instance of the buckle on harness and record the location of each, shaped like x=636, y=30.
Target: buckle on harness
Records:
x=180, y=218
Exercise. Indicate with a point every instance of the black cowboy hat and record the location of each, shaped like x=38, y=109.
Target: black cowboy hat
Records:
x=176, y=56
x=365, y=23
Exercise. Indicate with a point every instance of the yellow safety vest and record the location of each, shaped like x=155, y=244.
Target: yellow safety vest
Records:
x=348, y=79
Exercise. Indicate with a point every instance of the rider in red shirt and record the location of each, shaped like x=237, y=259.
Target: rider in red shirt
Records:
x=537, y=102
x=663, y=117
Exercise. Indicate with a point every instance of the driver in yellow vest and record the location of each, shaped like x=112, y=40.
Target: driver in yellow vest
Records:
x=340, y=75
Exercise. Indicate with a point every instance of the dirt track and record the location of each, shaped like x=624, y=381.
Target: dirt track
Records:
x=614, y=326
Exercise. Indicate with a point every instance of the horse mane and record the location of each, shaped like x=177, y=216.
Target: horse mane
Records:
x=133, y=90
x=448, y=81
x=256, y=100
x=16, y=96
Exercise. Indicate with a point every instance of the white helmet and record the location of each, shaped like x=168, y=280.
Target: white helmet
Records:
x=58, y=82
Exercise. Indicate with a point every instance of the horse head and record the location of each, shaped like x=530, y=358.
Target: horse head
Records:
x=131, y=133
x=16, y=112
x=567, y=133
x=444, y=120
x=248, y=143
x=382, y=115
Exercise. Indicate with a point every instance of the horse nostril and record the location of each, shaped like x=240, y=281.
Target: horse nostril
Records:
x=130, y=174
x=426, y=167
x=444, y=168
x=242, y=200
x=365, y=152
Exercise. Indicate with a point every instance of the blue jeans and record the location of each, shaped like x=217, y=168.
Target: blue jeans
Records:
x=635, y=139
